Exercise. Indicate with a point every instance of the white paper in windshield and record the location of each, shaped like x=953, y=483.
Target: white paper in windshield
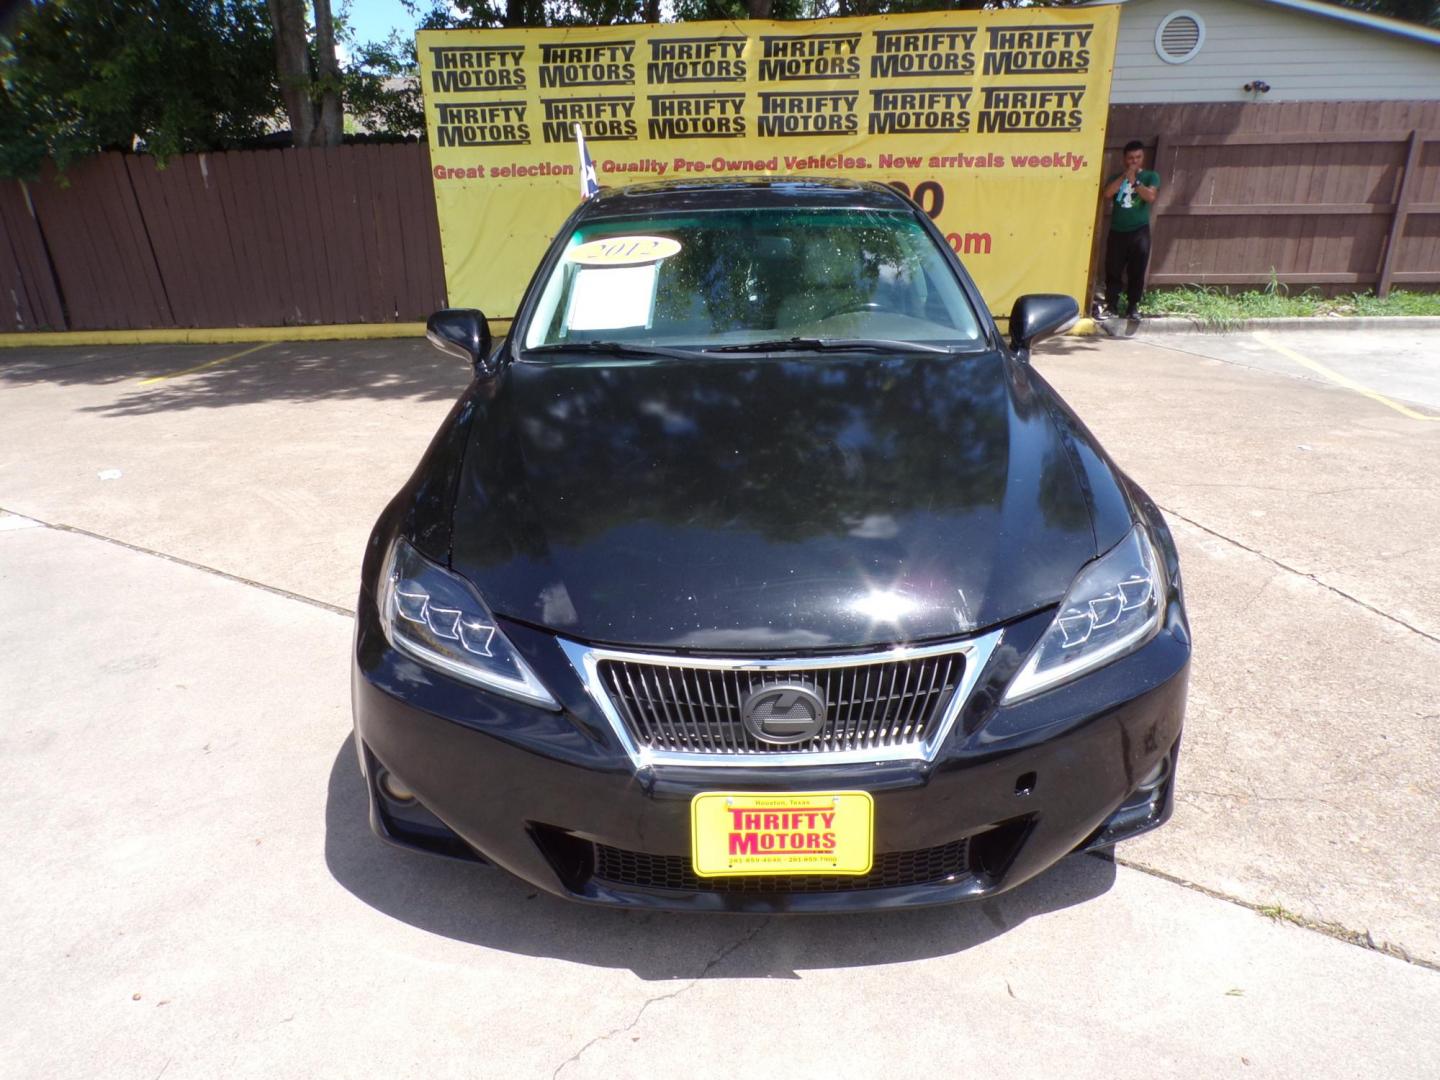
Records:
x=612, y=297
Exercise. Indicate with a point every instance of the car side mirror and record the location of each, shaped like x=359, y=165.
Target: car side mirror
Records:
x=1039, y=316
x=464, y=334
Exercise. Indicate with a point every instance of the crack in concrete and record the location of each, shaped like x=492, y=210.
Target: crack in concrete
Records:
x=1301, y=573
x=710, y=964
x=1258, y=592
x=1253, y=793
x=1361, y=938
x=76, y=530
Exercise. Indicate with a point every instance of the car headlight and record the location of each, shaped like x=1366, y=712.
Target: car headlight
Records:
x=1113, y=607
x=436, y=617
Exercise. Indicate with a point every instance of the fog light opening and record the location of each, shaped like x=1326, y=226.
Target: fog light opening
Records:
x=393, y=788
x=1156, y=776
x=1025, y=784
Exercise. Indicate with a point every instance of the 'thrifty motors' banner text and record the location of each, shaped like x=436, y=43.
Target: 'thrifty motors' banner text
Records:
x=993, y=121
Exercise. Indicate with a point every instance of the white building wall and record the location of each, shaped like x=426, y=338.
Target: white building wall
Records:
x=1303, y=57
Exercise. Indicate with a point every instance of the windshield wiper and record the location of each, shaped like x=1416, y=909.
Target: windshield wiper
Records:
x=812, y=344
x=614, y=348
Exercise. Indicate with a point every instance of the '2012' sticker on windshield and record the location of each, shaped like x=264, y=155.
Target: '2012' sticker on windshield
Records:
x=623, y=251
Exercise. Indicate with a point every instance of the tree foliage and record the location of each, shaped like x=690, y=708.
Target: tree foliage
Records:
x=382, y=89
x=78, y=76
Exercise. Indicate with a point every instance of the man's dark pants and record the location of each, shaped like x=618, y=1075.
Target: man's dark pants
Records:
x=1126, y=255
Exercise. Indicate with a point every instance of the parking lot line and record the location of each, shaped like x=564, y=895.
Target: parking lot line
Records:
x=1342, y=380
x=208, y=364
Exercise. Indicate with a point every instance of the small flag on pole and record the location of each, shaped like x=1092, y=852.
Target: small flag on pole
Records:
x=589, y=184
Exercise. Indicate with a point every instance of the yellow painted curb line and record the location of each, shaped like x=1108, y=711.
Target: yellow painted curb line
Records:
x=1342, y=380
x=207, y=364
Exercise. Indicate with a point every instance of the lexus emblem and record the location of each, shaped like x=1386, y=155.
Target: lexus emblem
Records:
x=783, y=713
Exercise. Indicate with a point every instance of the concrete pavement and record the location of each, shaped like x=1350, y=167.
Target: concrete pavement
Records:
x=1306, y=518
x=1398, y=362
x=202, y=897
x=189, y=821
x=272, y=466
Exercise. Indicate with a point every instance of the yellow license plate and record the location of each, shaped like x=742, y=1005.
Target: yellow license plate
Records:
x=733, y=834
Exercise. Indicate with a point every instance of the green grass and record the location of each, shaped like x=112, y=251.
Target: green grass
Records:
x=1214, y=307
x=1276, y=913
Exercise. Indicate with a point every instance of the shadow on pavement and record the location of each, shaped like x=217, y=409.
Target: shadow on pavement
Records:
x=1067, y=346
x=486, y=906
x=285, y=371
x=280, y=372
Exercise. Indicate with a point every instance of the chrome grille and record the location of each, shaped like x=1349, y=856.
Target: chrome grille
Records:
x=696, y=709
x=892, y=704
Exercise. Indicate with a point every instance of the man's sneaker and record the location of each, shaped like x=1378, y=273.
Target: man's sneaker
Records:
x=1103, y=313
x=1135, y=315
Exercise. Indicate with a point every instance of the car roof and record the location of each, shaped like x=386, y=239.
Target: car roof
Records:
x=741, y=193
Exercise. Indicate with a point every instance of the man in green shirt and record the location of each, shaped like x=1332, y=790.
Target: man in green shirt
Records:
x=1127, y=251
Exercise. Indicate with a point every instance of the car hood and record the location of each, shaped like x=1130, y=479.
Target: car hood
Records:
x=782, y=503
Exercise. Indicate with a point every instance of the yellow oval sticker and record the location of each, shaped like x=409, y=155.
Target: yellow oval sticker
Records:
x=623, y=251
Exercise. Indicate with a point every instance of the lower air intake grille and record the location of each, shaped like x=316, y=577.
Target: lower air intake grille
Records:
x=895, y=869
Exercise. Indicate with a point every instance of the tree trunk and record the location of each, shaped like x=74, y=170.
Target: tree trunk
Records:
x=327, y=75
x=292, y=64
x=652, y=11
x=759, y=9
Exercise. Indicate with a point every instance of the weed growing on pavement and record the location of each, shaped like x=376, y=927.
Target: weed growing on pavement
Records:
x=1279, y=914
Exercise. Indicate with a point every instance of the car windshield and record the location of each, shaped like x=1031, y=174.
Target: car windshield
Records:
x=727, y=278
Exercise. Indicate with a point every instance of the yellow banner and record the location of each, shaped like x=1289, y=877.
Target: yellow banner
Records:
x=994, y=121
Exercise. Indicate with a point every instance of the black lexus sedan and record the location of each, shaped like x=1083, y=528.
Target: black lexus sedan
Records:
x=755, y=570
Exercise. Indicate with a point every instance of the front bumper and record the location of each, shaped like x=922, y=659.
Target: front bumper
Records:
x=553, y=798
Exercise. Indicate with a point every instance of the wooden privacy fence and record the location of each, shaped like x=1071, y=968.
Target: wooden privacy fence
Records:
x=243, y=238
x=1344, y=196
x=1337, y=195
